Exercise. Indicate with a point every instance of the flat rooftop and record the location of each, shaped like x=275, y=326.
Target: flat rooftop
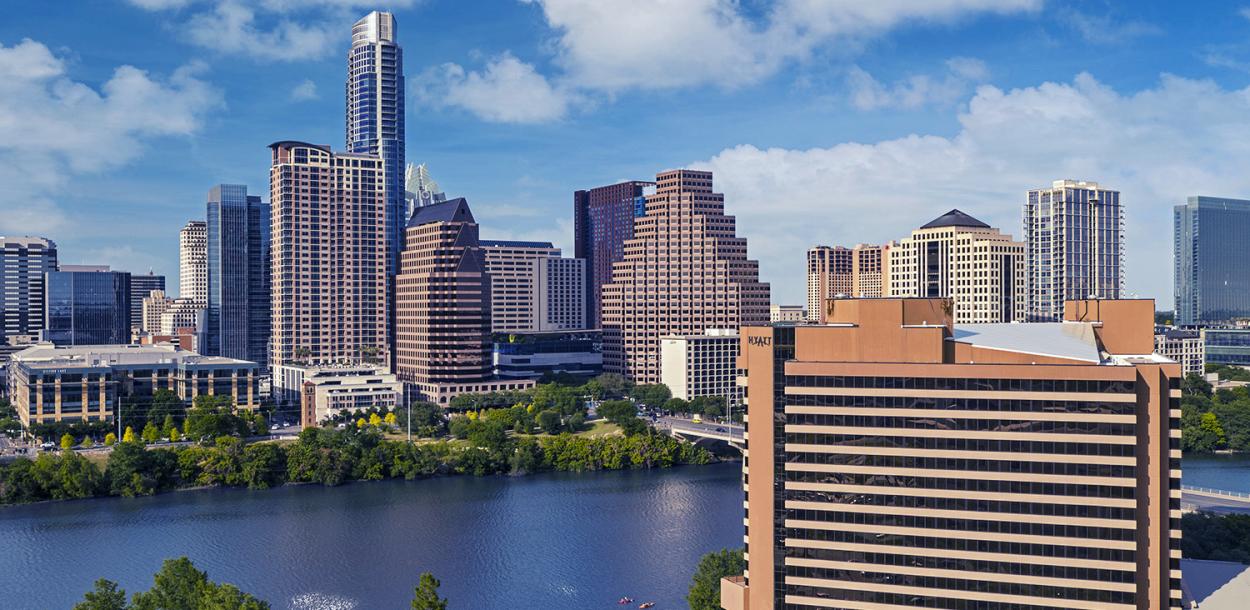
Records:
x=47, y=355
x=1072, y=340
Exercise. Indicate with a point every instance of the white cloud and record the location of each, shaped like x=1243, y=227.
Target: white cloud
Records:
x=508, y=90
x=657, y=44
x=306, y=90
x=160, y=5
x=52, y=127
x=1180, y=138
x=1103, y=29
x=867, y=93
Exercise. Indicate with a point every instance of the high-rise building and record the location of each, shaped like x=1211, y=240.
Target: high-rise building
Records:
x=603, y=219
x=237, y=323
x=23, y=263
x=870, y=270
x=1074, y=237
x=1212, y=282
x=897, y=460
x=193, y=261
x=702, y=366
x=155, y=304
x=329, y=282
x=443, y=306
x=957, y=256
x=533, y=288
x=420, y=188
x=375, y=115
x=87, y=306
x=140, y=287
x=862, y=271
x=1186, y=347
x=787, y=313
x=684, y=271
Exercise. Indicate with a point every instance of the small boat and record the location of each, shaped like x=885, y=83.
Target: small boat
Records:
x=646, y=604
x=626, y=600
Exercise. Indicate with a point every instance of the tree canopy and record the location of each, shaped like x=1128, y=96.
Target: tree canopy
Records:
x=705, y=585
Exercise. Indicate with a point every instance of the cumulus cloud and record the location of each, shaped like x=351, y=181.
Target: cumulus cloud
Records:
x=915, y=91
x=1103, y=29
x=507, y=90
x=52, y=127
x=306, y=90
x=1178, y=138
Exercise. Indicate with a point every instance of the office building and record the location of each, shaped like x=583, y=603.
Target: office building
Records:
x=166, y=317
x=792, y=314
x=957, y=256
x=23, y=263
x=420, y=188
x=443, y=306
x=375, y=116
x=1186, y=347
x=1212, y=282
x=532, y=355
x=1074, y=236
x=329, y=283
x=48, y=383
x=87, y=305
x=140, y=287
x=533, y=288
x=193, y=261
x=323, y=392
x=1227, y=346
x=704, y=365
x=603, y=219
x=155, y=304
x=237, y=323
x=895, y=459
x=684, y=271
x=861, y=271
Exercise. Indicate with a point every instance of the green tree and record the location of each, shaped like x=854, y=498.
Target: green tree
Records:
x=67, y=442
x=676, y=405
x=165, y=406
x=105, y=596
x=150, y=433
x=612, y=385
x=1210, y=434
x=652, y=395
x=549, y=421
x=180, y=586
x=86, y=443
x=1194, y=383
x=174, y=435
x=617, y=411
x=705, y=586
x=425, y=595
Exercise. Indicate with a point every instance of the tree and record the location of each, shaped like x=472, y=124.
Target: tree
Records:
x=652, y=394
x=180, y=586
x=165, y=406
x=67, y=442
x=87, y=442
x=676, y=405
x=110, y=439
x=105, y=596
x=129, y=435
x=705, y=586
x=375, y=419
x=390, y=419
x=425, y=595
x=150, y=433
x=617, y=411
x=174, y=435
x=1194, y=383
x=612, y=385
x=549, y=421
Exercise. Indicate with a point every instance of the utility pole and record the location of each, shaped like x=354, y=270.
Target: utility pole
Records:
x=409, y=419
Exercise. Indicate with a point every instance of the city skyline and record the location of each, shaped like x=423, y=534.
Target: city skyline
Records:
x=938, y=118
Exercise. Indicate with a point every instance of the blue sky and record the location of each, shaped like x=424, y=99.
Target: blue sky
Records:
x=830, y=122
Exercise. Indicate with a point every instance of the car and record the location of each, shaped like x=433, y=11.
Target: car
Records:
x=720, y=429
x=274, y=427
x=48, y=446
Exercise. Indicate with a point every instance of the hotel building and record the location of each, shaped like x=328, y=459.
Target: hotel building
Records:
x=787, y=313
x=1074, y=233
x=684, y=271
x=329, y=283
x=705, y=365
x=862, y=271
x=957, y=256
x=895, y=460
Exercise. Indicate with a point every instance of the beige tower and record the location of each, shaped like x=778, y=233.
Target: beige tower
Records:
x=193, y=261
x=684, y=271
x=329, y=256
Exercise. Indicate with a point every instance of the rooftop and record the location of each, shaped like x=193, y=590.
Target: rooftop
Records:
x=1073, y=340
x=505, y=243
x=46, y=355
x=955, y=218
x=1215, y=585
x=452, y=210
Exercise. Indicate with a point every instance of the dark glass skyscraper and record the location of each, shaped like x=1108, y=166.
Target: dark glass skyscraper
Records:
x=237, y=319
x=603, y=218
x=1212, y=279
x=88, y=307
x=23, y=263
x=140, y=287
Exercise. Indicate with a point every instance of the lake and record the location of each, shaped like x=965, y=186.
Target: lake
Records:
x=552, y=541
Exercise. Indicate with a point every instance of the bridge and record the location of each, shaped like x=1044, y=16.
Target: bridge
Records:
x=688, y=429
x=1214, y=500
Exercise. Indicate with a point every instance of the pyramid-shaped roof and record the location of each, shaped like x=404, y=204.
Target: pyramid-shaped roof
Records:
x=452, y=210
x=955, y=218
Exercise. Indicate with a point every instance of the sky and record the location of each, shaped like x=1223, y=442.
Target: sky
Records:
x=829, y=122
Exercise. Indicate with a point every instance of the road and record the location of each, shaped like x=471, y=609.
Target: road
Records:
x=705, y=429
x=1215, y=502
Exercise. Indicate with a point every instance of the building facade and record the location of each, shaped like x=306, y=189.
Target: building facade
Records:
x=861, y=271
x=237, y=320
x=323, y=392
x=603, y=220
x=1186, y=347
x=154, y=305
x=140, y=287
x=193, y=261
x=533, y=355
x=787, y=313
x=897, y=460
x=421, y=189
x=51, y=384
x=957, y=256
x=1074, y=237
x=684, y=271
x=329, y=284
x=532, y=288
x=699, y=366
x=23, y=263
x=87, y=307
x=1212, y=285
x=1227, y=346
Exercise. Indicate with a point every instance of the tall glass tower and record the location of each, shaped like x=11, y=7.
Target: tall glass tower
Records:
x=1212, y=279
x=238, y=237
x=1074, y=246
x=375, y=115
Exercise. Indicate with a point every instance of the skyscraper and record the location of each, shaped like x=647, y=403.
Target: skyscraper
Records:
x=375, y=114
x=238, y=244
x=684, y=271
x=329, y=292
x=1074, y=237
x=193, y=261
x=895, y=459
x=23, y=263
x=142, y=285
x=957, y=256
x=87, y=306
x=421, y=189
x=533, y=288
x=862, y=271
x=1212, y=279
x=603, y=219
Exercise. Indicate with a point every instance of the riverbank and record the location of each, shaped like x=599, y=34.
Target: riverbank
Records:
x=330, y=458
